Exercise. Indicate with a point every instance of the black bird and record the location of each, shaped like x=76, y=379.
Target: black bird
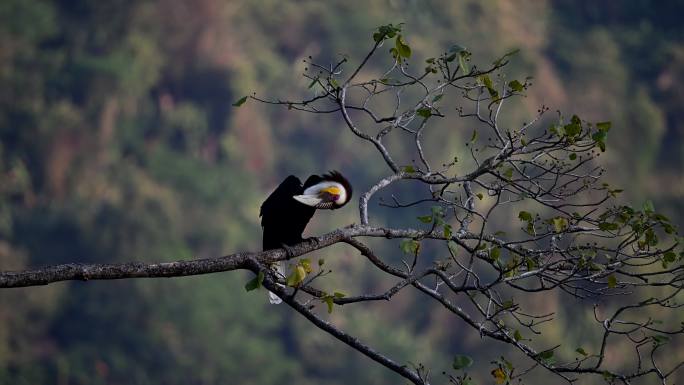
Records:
x=287, y=211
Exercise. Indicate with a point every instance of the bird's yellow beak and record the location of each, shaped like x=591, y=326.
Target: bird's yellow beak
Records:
x=333, y=190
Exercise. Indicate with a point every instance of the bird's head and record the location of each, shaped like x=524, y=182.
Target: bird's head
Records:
x=330, y=191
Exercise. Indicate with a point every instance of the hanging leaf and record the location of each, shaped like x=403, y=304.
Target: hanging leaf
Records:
x=424, y=112
x=559, y=224
x=255, y=282
x=403, y=50
x=517, y=336
x=516, y=86
x=508, y=173
x=329, y=301
x=499, y=376
x=604, y=126
x=525, y=216
x=410, y=246
x=447, y=231
x=240, y=101
x=306, y=264
x=462, y=362
x=495, y=253
x=500, y=60
x=546, y=355
x=425, y=218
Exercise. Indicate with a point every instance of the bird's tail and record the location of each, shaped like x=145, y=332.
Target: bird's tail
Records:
x=272, y=297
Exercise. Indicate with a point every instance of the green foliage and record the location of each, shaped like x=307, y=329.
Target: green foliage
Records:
x=410, y=246
x=299, y=272
x=386, y=32
x=256, y=282
x=243, y=99
x=461, y=362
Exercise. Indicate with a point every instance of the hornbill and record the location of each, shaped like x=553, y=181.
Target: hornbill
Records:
x=286, y=212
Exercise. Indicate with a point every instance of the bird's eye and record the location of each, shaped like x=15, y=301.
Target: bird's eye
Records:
x=335, y=197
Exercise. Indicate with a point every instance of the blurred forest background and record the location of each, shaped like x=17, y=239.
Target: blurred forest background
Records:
x=118, y=142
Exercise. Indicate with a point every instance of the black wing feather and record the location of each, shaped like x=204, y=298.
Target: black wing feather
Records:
x=282, y=217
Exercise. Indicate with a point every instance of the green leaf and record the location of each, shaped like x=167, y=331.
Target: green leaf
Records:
x=321, y=262
x=240, y=101
x=437, y=211
x=525, y=216
x=507, y=304
x=545, y=355
x=305, y=263
x=606, y=226
x=516, y=86
x=670, y=256
x=386, y=31
x=581, y=351
x=474, y=136
x=508, y=173
x=495, y=253
x=437, y=98
x=612, y=281
x=573, y=156
x=572, y=130
x=462, y=361
x=447, y=231
x=338, y=294
x=603, y=126
x=402, y=48
x=660, y=339
x=425, y=218
x=608, y=376
x=329, y=301
x=500, y=60
x=559, y=224
x=490, y=86
x=600, y=139
x=296, y=277
x=255, y=282
x=424, y=112
x=517, y=336
x=479, y=196
x=410, y=246
x=648, y=206
x=463, y=61
x=409, y=169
